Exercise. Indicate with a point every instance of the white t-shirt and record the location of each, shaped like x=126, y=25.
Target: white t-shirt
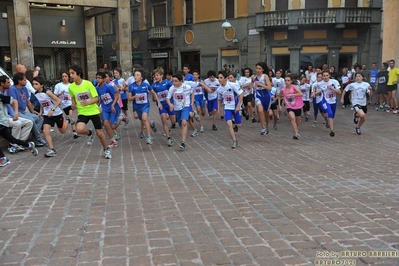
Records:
x=278, y=83
x=313, y=78
x=318, y=97
x=245, y=83
x=181, y=96
x=358, y=93
x=213, y=85
x=305, y=89
x=328, y=94
x=65, y=97
x=229, y=94
x=47, y=103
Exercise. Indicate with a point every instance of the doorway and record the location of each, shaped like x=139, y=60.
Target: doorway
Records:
x=192, y=59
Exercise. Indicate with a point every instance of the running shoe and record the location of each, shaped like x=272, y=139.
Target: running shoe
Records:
x=4, y=161
x=196, y=116
x=19, y=147
x=70, y=120
x=263, y=131
x=357, y=130
x=149, y=140
x=202, y=129
x=126, y=122
x=275, y=127
x=235, y=128
x=253, y=120
x=296, y=136
x=153, y=126
x=306, y=118
x=214, y=128
x=222, y=117
x=113, y=144
x=332, y=133
x=390, y=111
x=107, y=154
x=395, y=111
x=234, y=145
x=142, y=136
x=314, y=124
x=247, y=117
x=355, y=119
x=173, y=126
x=170, y=142
x=116, y=137
x=194, y=134
x=90, y=137
x=75, y=135
x=32, y=148
x=182, y=145
x=343, y=106
x=50, y=153
x=12, y=149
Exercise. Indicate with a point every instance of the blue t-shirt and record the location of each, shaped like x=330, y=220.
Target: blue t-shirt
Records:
x=162, y=89
x=189, y=77
x=107, y=96
x=142, y=92
x=373, y=77
x=21, y=95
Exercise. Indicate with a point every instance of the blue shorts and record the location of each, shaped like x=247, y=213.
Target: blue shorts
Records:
x=142, y=109
x=166, y=110
x=263, y=97
x=212, y=105
x=229, y=114
x=200, y=103
x=182, y=114
x=111, y=117
x=328, y=108
x=316, y=107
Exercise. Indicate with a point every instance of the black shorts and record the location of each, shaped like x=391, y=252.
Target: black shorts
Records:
x=297, y=112
x=52, y=120
x=125, y=103
x=273, y=106
x=392, y=87
x=247, y=99
x=94, y=118
x=357, y=107
x=382, y=90
x=67, y=109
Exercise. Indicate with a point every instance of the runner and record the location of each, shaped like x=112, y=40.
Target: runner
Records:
x=246, y=85
x=85, y=98
x=262, y=87
x=305, y=89
x=232, y=96
x=199, y=100
x=317, y=98
x=211, y=86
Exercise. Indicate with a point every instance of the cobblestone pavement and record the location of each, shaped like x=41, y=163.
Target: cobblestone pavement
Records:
x=272, y=201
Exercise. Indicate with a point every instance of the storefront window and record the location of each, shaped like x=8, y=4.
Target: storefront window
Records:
x=281, y=62
x=316, y=60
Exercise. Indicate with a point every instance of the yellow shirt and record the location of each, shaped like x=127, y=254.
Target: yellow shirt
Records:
x=393, y=76
x=84, y=92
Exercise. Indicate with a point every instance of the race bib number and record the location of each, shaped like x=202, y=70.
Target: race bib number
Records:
x=381, y=80
x=330, y=95
x=357, y=94
x=213, y=89
x=228, y=98
x=179, y=97
x=46, y=103
x=162, y=95
x=291, y=100
x=141, y=98
x=106, y=98
x=372, y=80
x=84, y=96
x=65, y=97
x=198, y=90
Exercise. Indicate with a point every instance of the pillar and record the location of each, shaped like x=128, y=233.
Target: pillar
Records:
x=294, y=58
x=90, y=32
x=124, y=35
x=23, y=32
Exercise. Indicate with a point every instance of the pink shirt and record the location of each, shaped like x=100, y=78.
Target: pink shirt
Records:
x=292, y=102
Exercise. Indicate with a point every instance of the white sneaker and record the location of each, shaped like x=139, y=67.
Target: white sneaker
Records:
x=107, y=154
x=90, y=138
x=202, y=129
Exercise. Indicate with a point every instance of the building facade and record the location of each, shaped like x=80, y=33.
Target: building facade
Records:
x=288, y=34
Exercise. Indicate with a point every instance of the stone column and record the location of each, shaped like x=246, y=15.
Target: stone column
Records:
x=90, y=32
x=123, y=34
x=333, y=56
x=294, y=58
x=23, y=31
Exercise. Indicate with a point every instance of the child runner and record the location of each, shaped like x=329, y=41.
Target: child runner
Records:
x=317, y=98
x=85, y=98
x=119, y=83
x=182, y=99
x=294, y=102
x=199, y=99
x=139, y=94
x=278, y=83
x=262, y=87
x=161, y=87
x=275, y=105
x=51, y=112
x=232, y=96
x=109, y=98
x=246, y=85
x=359, y=91
x=61, y=90
x=305, y=89
x=212, y=84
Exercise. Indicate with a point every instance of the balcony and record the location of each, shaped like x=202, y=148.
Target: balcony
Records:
x=159, y=33
x=338, y=16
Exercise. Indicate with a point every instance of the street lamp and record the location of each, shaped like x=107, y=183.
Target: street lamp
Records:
x=226, y=25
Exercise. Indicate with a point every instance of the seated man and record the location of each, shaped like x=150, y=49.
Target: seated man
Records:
x=20, y=93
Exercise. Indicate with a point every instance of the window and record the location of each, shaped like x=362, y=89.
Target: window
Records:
x=350, y=3
x=230, y=9
x=135, y=20
x=316, y=4
x=281, y=5
x=159, y=15
x=189, y=12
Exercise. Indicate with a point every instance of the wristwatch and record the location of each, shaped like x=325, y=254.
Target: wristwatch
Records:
x=52, y=109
